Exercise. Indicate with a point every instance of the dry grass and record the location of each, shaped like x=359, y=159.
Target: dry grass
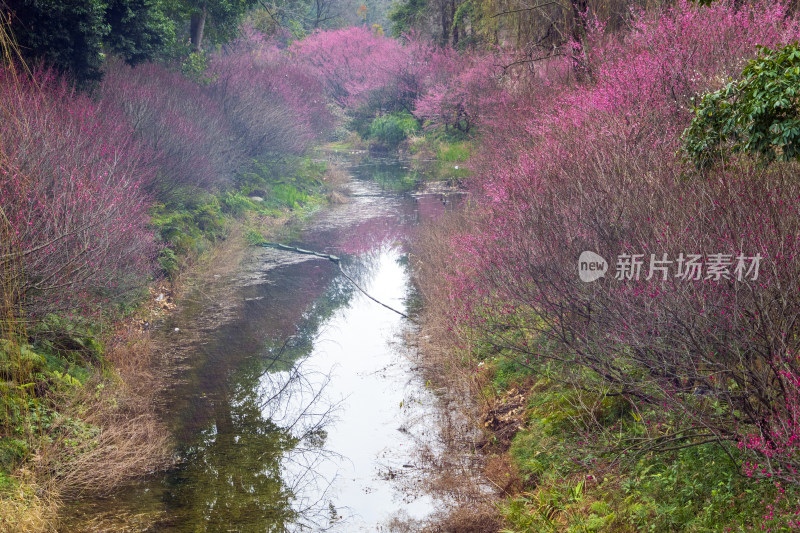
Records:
x=337, y=182
x=503, y=474
x=419, y=147
x=471, y=480
x=131, y=352
x=336, y=198
x=131, y=441
x=355, y=142
x=468, y=519
x=481, y=518
x=28, y=508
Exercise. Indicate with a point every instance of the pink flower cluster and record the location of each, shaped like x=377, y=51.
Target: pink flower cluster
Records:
x=72, y=196
x=592, y=163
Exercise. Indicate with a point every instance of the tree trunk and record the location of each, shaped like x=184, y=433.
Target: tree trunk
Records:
x=445, y=22
x=455, y=23
x=579, y=8
x=198, y=24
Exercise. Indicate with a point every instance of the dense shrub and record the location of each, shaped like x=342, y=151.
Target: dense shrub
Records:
x=186, y=129
x=273, y=104
x=463, y=90
x=352, y=63
x=594, y=167
x=390, y=130
x=72, y=194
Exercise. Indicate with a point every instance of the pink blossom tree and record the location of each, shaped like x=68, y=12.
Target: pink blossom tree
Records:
x=351, y=63
x=273, y=104
x=71, y=193
x=463, y=89
x=594, y=166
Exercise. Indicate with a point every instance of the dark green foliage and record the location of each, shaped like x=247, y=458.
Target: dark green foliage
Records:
x=759, y=114
x=222, y=17
x=468, y=14
x=71, y=35
x=360, y=121
x=390, y=130
x=139, y=29
x=186, y=223
x=66, y=34
x=405, y=16
x=168, y=262
x=12, y=452
x=393, y=128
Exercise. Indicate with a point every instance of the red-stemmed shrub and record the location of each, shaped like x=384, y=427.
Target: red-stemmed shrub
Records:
x=71, y=192
x=596, y=167
x=273, y=104
x=182, y=124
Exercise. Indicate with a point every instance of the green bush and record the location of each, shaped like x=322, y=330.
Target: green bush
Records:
x=254, y=237
x=168, y=262
x=681, y=488
x=195, y=67
x=186, y=221
x=286, y=195
x=759, y=114
x=236, y=204
x=19, y=362
x=390, y=130
x=12, y=452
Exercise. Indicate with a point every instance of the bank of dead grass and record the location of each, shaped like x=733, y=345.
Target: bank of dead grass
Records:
x=466, y=472
x=131, y=440
x=126, y=440
x=29, y=506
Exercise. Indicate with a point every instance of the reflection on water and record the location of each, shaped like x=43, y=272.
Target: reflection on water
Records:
x=297, y=411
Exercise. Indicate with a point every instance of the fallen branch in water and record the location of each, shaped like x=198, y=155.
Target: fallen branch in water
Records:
x=338, y=262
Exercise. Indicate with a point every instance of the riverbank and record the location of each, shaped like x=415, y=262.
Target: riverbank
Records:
x=562, y=450
x=292, y=382
x=94, y=422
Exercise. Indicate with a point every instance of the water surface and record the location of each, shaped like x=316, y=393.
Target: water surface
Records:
x=291, y=397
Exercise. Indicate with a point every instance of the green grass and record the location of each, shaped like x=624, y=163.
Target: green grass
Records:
x=191, y=220
x=510, y=371
x=453, y=152
x=341, y=146
x=578, y=481
x=581, y=474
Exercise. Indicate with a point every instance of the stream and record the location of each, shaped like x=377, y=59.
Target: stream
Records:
x=292, y=397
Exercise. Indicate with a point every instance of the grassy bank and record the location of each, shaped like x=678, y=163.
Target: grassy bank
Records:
x=561, y=451
x=79, y=393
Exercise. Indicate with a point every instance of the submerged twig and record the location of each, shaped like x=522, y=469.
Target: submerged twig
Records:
x=338, y=262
